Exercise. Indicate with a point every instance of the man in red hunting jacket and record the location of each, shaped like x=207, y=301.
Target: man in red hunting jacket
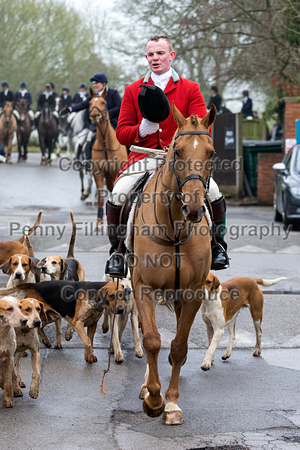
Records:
x=134, y=129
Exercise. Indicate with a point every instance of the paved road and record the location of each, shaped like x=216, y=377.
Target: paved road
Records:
x=244, y=402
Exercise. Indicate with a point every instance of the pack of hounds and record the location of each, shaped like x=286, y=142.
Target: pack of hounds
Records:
x=41, y=292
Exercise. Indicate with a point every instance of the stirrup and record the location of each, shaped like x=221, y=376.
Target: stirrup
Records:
x=116, y=266
x=220, y=259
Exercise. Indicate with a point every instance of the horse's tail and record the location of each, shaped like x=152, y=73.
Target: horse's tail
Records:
x=73, y=237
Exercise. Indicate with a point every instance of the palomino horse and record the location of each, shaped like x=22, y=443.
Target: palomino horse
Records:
x=24, y=134
x=8, y=127
x=108, y=155
x=172, y=253
x=48, y=133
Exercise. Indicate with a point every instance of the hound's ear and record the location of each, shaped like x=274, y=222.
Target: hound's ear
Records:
x=63, y=265
x=6, y=267
x=32, y=266
x=210, y=117
x=41, y=263
x=212, y=282
x=101, y=298
x=216, y=283
x=43, y=314
x=92, y=93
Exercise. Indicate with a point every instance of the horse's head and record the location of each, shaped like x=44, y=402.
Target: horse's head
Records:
x=22, y=108
x=98, y=107
x=191, y=153
x=7, y=111
x=46, y=114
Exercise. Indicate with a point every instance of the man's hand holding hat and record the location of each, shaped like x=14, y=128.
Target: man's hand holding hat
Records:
x=147, y=127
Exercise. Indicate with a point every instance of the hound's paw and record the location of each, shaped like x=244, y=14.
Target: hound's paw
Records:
x=225, y=356
x=69, y=335
x=119, y=357
x=256, y=352
x=91, y=358
x=206, y=365
x=58, y=345
x=105, y=329
x=22, y=384
x=47, y=344
x=18, y=392
x=34, y=393
x=139, y=352
x=8, y=402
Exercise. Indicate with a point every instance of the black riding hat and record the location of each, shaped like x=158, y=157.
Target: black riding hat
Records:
x=153, y=103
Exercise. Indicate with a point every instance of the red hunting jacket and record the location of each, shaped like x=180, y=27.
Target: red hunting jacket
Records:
x=187, y=98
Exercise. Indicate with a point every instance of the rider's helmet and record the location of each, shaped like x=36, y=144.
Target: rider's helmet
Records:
x=4, y=83
x=48, y=86
x=83, y=86
x=65, y=88
x=153, y=103
x=99, y=78
x=23, y=84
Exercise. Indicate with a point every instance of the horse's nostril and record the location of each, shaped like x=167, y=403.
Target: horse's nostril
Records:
x=186, y=210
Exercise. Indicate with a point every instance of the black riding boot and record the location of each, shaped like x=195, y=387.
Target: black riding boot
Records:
x=220, y=258
x=115, y=265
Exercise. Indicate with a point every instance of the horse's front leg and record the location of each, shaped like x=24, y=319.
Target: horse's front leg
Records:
x=43, y=150
x=9, y=148
x=153, y=403
x=179, y=346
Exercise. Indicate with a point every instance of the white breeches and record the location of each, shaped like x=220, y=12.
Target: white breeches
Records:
x=82, y=137
x=71, y=116
x=128, y=178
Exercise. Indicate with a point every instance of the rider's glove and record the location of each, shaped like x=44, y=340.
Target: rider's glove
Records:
x=147, y=127
x=65, y=111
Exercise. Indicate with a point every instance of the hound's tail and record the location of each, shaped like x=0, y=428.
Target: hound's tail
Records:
x=73, y=237
x=33, y=228
x=268, y=283
x=29, y=246
x=21, y=287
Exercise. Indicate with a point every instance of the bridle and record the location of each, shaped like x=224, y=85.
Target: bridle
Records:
x=179, y=183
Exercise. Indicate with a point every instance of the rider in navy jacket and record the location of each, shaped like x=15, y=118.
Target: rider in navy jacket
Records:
x=23, y=94
x=113, y=100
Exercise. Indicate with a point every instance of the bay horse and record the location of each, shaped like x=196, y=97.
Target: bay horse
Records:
x=8, y=127
x=172, y=253
x=23, y=135
x=108, y=155
x=48, y=133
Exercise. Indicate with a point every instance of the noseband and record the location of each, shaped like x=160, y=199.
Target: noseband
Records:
x=102, y=114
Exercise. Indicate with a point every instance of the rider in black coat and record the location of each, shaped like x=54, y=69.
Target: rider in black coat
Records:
x=65, y=98
x=81, y=95
x=6, y=95
x=24, y=94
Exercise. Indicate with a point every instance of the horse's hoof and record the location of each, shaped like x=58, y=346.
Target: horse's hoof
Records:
x=153, y=412
x=8, y=161
x=53, y=157
x=170, y=360
x=43, y=162
x=172, y=418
